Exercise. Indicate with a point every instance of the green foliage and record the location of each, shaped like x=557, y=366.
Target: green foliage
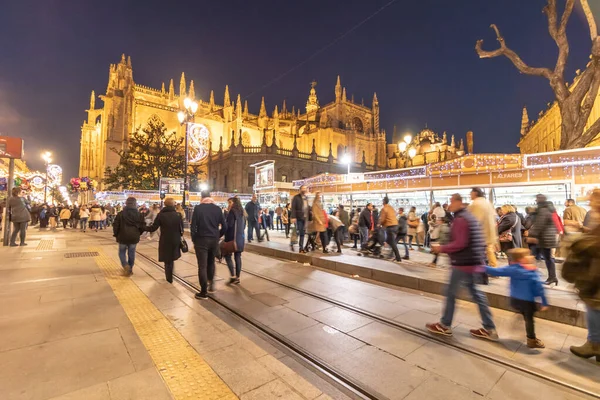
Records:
x=152, y=152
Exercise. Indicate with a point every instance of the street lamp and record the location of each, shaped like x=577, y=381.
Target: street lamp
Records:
x=47, y=157
x=346, y=159
x=408, y=138
x=186, y=116
x=403, y=149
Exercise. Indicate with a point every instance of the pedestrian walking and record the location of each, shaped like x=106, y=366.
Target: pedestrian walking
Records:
x=170, y=223
x=467, y=255
x=95, y=216
x=543, y=234
x=509, y=229
x=413, y=223
x=207, y=226
x=582, y=268
x=127, y=229
x=52, y=216
x=402, y=231
x=354, y=229
x=84, y=215
x=19, y=216
x=271, y=219
x=253, y=211
x=573, y=217
x=319, y=219
x=278, y=213
x=366, y=223
x=236, y=225
x=337, y=228
x=484, y=212
x=388, y=220
x=299, y=216
x=525, y=288
x=65, y=216
x=345, y=218
x=285, y=219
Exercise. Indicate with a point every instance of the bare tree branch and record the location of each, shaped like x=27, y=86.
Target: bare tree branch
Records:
x=512, y=56
x=590, y=19
x=550, y=11
x=566, y=15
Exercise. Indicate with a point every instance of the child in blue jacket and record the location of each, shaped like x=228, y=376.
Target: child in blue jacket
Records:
x=525, y=288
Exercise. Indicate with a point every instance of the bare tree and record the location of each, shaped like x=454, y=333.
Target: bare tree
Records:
x=575, y=102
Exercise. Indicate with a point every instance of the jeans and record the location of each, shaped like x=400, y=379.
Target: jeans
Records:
x=410, y=239
x=287, y=230
x=18, y=228
x=300, y=230
x=253, y=227
x=593, y=323
x=547, y=254
x=237, y=257
x=64, y=222
x=403, y=238
x=206, y=249
x=364, y=236
x=458, y=278
x=129, y=250
x=527, y=309
x=279, y=223
x=83, y=222
x=390, y=238
x=324, y=240
x=169, y=265
x=338, y=236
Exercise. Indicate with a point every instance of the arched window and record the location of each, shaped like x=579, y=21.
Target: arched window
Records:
x=358, y=125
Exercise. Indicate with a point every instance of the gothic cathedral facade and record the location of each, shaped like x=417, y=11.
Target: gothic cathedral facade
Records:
x=301, y=142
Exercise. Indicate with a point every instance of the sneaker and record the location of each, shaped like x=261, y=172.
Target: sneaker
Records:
x=211, y=287
x=439, y=329
x=485, y=334
x=201, y=296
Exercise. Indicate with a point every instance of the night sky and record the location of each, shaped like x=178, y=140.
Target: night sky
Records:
x=417, y=55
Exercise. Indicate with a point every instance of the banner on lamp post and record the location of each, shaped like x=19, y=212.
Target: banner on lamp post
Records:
x=198, y=142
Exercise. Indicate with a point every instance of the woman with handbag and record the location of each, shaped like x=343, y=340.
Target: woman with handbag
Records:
x=233, y=244
x=170, y=243
x=509, y=229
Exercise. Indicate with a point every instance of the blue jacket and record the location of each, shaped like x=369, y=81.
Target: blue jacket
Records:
x=525, y=283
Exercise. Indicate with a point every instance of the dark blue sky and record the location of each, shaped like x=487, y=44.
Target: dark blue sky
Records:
x=417, y=55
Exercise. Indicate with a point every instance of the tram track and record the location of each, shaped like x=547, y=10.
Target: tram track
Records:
x=343, y=380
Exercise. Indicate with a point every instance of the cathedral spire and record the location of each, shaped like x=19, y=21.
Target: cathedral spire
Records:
x=93, y=100
x=182, y=85
x=283, y=109
x=338, y=90
x=263, y=108
x=312, y=104
x=276, y=112
x=343, y=95
x=524, y=122
x=238, y=107
x=226, y=98
x=129, y=61
x=192, y=91
x=123, y=58
x=211, y=100
x=246, y=109
x=171, y=90
x=162, y=88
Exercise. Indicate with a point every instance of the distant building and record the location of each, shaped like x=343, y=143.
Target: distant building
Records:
x=302, y=143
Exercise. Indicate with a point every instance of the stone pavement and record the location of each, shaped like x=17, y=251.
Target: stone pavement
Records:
x=397, y=364
x=64, y=335
x=565, y=306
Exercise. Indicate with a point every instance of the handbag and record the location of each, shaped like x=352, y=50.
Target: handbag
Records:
x=230, y=247
x=183, y=245
x=294, y=238
x=507, y=235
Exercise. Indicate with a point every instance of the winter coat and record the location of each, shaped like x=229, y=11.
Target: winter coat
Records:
x=252, y=209
x=207, y=221
x=467, y=246
x=412, y=219
x=285, y=216
x=525, y=283
x=65, y=213
x=335, y=223
x=344, y=217
x=484, y=212
x=235, y=219
x=318, y=217
x=171, y=229
x=84, y=213
x=582, y=267
x=95, y=213
x=128, y=226
x=388, y=216
x=512, y=222
x=18, y=210
x=402, y=226
x=544, y=229
x=297, y=211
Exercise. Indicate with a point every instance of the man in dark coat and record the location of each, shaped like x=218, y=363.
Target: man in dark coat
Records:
x=300, y=215
x=345, y=218
x=171, y=230
x=127, y=228
x=253, y=210
x=208, y=225
x=366, y=223
x=543, y=234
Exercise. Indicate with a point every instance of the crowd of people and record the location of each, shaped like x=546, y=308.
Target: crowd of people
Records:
x=471, y=233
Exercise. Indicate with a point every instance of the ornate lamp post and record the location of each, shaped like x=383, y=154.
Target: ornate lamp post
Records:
x=186, y=116
x=403, y=149
x=47, y=157
x=346, y=159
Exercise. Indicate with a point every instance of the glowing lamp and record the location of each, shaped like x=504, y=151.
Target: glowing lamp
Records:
x=346, y=159
x=402, y=146
x=412, y=152
x=181, y=116
x=203, y=186
x=194, y=107
x=187, y=103
x=408, y=138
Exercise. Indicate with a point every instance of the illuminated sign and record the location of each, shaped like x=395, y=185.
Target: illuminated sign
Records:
x=11, y=147
x=264, y=176
x=198, y=142
x=171, y=185
x=54, y=174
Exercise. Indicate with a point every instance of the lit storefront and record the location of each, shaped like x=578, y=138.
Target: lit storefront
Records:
x=506, y=178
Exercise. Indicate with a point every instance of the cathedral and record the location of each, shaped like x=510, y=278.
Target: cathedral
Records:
x=301, y=142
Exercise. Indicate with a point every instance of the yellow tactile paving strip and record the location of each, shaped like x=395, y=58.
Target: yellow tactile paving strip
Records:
x=186, y=374
x=45, y=244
